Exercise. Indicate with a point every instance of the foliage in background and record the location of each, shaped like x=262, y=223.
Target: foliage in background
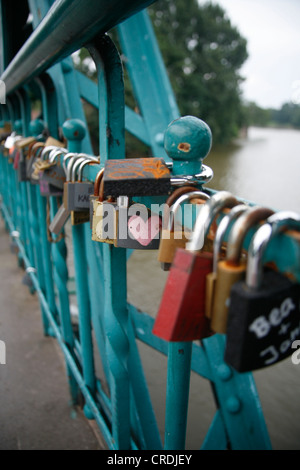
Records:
x=203, y=53
x=287, y=116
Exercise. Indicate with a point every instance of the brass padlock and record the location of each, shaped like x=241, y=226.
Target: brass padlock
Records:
x=104, y=224
x=217, y=253
x=172, y=236
x=34, y=155
x=23, y=146
x=233, y=268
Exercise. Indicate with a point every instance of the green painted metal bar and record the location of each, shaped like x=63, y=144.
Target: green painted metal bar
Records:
x=134, y=123
x=74, y=131
x=112, y=142
x=177, y=395
x=216, y=433
x=237, y=399
x=58, y=253
x=50, y=114
x=50, y=43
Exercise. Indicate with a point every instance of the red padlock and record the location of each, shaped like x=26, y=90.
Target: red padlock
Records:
x=181, y=315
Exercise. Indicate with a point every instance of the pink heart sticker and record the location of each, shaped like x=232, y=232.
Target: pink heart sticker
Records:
x=144, y=231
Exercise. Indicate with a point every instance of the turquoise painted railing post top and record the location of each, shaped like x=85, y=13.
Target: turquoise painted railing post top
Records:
x=74, y=131
x=36, y=127
x=187, y=141
x=18, y=126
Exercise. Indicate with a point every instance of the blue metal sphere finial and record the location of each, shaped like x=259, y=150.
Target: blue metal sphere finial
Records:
x=36, y=127
x=18, y=126
x=74, y=129
x=187, y=141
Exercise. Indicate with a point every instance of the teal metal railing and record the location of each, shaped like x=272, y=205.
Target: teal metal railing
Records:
x=108, y=326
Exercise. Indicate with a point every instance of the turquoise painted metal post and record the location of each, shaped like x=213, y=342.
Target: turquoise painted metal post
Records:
x=61, y=277
x=112, y=145
x=19, y=209
x=237, y=399
x=49, y=105
x=74, y=131
x=25, y=115
x=36, y=128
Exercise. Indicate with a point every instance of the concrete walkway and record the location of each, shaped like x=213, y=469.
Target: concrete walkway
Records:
x=35, y=413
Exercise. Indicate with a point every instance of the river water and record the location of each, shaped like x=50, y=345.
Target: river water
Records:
x=263, y=168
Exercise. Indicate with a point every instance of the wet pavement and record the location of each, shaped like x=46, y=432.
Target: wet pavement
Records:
x=35, y=413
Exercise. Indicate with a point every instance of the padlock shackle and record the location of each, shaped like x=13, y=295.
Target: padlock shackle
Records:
x=75, y=165
x=206, y=216
x=89, y=161
x=100, y=186
x=275, y=224
x=30, y=148
x=82, y=159
x=47, y=149
x=97, y=182
x=201, y=178
x=56, y=153
x=171, y=199
x=240, y=229
x=37, y=146
x=179, y=192
x=181, y=200
x=70, y=166
x=185, y=197
x=65, y=158
x=221, y=231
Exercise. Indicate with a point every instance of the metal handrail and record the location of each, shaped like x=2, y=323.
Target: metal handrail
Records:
x=50, y=42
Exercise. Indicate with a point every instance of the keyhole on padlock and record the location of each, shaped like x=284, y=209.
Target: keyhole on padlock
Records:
x=105, y=228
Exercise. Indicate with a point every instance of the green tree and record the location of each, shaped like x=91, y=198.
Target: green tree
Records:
x=288, y=115
x=203, y=53
x=257, y=116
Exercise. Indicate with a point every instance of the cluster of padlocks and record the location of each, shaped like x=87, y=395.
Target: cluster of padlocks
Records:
x=214, y=285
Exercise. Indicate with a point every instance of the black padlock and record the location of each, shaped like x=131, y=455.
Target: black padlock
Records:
x=263, y=316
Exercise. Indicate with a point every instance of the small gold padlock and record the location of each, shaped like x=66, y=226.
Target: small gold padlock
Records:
x=104, y=219
x=218, y=243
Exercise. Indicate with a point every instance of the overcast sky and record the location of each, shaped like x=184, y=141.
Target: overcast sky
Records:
x=272, y=29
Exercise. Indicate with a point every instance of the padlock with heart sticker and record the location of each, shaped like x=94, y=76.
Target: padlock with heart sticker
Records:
x=138, y=228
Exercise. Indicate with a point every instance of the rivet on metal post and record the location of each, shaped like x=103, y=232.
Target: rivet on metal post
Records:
x=188, y=141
